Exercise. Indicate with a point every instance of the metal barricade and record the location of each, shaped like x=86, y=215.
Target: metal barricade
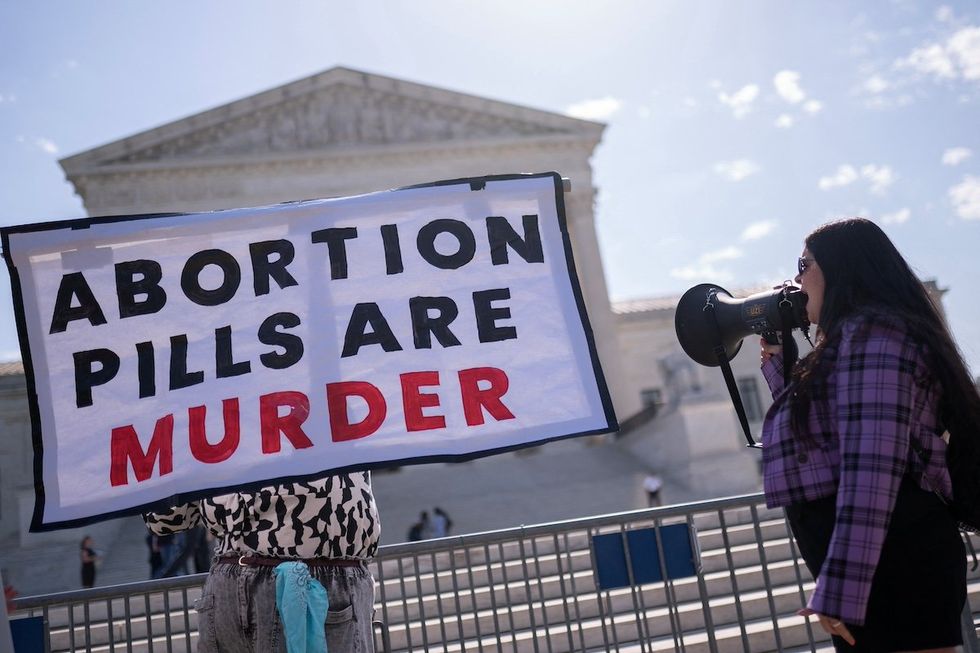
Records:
x=533, y=588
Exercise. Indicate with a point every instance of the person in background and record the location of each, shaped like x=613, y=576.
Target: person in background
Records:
x=441, y=523
x=652, y=485
x=190, y=546
x=420, y=530
x=89, y=556
x=9, y=594
x=201, y=549
x=290, y=559
x=175, y=563
x=156, y=555
x=854, y=448
x=165, y=545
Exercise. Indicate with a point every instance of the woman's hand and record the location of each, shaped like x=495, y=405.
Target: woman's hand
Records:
x=768, y=350
x=830, y=625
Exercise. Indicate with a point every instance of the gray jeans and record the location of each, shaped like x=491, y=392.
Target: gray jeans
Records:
x=237, y=611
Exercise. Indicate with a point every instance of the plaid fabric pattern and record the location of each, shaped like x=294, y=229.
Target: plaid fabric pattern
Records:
x=878, y=397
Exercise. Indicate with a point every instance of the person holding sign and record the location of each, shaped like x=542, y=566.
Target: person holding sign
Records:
x=277, y=549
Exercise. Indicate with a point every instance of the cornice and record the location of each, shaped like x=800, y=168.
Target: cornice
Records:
x=354, y=155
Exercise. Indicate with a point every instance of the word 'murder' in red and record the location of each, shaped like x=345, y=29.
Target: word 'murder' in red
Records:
x=282, y=414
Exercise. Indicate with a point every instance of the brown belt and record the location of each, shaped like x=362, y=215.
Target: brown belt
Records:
x=263, y=561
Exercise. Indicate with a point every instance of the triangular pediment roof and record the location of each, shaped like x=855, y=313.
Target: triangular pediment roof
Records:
x=337, y=109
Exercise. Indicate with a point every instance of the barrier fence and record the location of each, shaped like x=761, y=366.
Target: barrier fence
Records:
x=719, y=575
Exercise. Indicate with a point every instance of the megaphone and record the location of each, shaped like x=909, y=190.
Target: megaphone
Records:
x=708, y=316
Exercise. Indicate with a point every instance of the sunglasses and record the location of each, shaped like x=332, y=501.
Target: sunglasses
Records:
x=803, y=263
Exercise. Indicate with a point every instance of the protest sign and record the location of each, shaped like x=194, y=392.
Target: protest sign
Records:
x=170, y=357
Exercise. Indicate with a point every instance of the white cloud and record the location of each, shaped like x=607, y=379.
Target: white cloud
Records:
x=876, y=84
x=787, y=83
x=865, y=41
x=725, y=254
x=758, y=230
x=846, y=174
x=930, y=59
x=704, y=268
x=47, y=145
x=958, y=58
x=736, y=170
x=883, y=101
x=644, y=112
x=956, y=155
x=813, y=106
x=741, y=100
x=597, y=109
x=881, y=177
x=700, y=273
x=965, y=198
x=964, y=45
x=944, y=14
x=898, y=217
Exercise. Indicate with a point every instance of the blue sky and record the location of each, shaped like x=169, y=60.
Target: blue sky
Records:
x=734, y=128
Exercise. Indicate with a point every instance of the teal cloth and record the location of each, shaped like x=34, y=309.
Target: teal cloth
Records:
x=302, y=604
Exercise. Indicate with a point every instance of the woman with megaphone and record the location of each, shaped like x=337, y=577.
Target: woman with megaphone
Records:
x=853, y=447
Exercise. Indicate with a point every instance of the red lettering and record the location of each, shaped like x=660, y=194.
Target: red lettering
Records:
x=290, y=424
x=414, y=401
x=475, y=399
x=125, y=445
x=198, y=437
x=481, y=391
x=341, y=429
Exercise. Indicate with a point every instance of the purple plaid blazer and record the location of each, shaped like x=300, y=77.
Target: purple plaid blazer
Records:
x=878, y=397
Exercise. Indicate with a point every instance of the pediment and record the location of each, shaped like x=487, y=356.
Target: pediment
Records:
x=337, y=109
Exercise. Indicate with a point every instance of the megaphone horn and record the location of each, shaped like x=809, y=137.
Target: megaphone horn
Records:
x=708, y=316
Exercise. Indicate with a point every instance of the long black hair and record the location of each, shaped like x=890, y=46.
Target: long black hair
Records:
x=864, y=271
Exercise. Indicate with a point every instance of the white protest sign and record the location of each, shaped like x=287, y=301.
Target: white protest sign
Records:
x=177, y=356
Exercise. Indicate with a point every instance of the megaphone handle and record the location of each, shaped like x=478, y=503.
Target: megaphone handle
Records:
x=726, y=371
x=790, y=350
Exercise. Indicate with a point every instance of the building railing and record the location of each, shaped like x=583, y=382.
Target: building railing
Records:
x=532, y=588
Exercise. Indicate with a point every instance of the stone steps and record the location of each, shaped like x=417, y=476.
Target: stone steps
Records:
x=534, y=594
x=586, y=632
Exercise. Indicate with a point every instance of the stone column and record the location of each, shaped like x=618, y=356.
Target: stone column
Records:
x=581, y=225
